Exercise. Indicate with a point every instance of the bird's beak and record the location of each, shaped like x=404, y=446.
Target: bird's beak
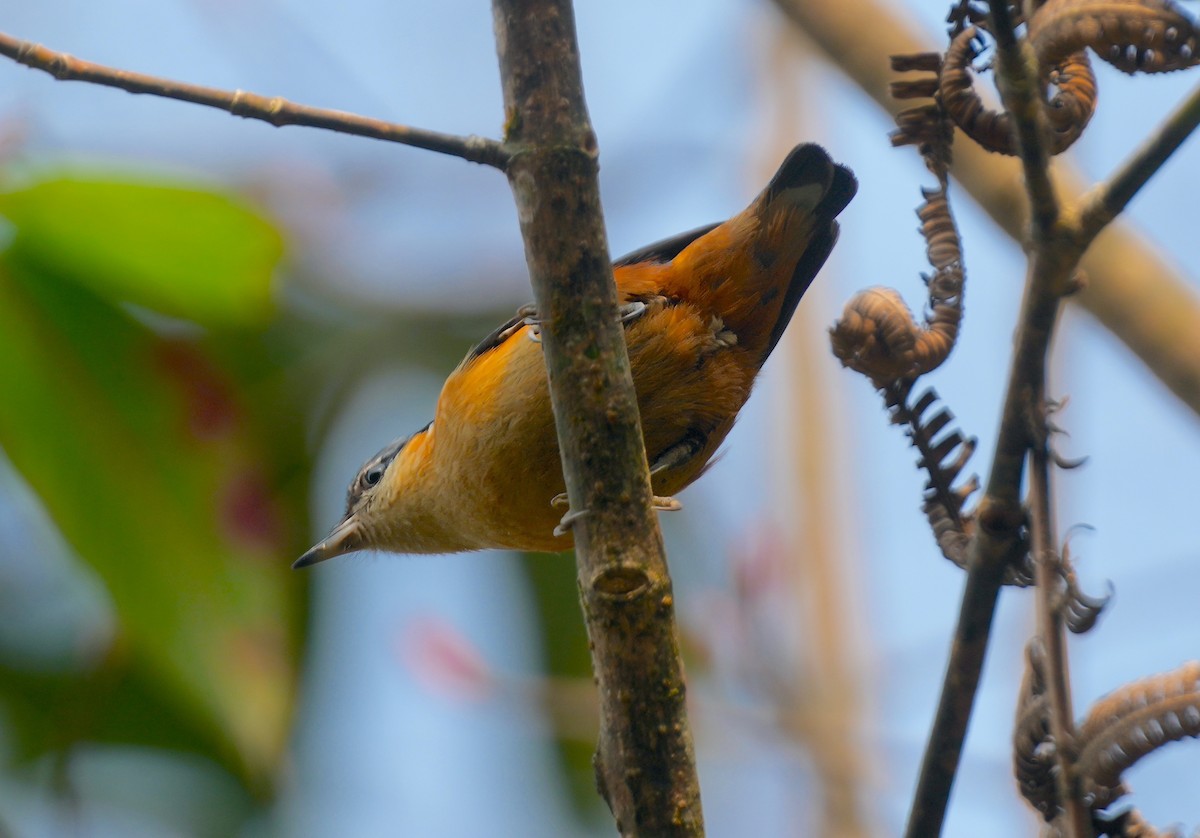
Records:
x=346, y=537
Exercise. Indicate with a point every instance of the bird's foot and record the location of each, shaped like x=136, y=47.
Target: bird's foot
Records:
x=529, y=317
x=568, y=521
x=656, y=502
x=632, y=311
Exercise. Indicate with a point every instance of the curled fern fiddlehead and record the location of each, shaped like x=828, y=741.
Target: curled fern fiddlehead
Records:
x=1131, y=722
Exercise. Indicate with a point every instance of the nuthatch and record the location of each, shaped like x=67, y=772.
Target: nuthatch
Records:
x=702, y=311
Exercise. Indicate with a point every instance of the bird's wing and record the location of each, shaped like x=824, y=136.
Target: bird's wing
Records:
x=665, y=250
x=660, y=251
x=496, y=337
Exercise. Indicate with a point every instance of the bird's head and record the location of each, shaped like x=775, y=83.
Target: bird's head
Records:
x=376, y=514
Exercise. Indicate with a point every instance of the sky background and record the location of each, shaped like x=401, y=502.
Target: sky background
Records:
x=692, y=117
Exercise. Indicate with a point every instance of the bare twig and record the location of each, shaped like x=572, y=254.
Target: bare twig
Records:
x=1020, y=89
x=277, y=111
x=1050, y=593
x=1107, y=200
x=1000, y=514
x=986, y=562
x=996, y=543
x=645, y=765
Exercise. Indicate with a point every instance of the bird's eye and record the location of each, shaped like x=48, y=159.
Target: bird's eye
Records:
x=373, y=474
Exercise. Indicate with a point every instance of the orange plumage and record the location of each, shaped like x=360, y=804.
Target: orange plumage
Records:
x=703, y=310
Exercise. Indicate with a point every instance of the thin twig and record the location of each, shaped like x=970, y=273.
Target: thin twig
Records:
x=997, y=537
x=1050, y=592
x=645, y=764
x=1023, y=97
x=986, y=562
x=1107, y=200
x=276, y=111
x=1052, y=261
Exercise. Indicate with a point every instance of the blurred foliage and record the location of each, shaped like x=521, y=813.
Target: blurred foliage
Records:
x=153, y=401
x=565, y=647
x=142, y=404
x=183, y=252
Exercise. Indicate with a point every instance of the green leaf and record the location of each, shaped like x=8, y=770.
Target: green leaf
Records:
x=141, y=451
x=118, y=702
x=182, y=252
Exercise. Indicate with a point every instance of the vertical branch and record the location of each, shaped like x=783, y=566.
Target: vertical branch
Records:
x=986, y=561
x=1021, y=90
x=644, y=763
x=1050, y=593
x=1054, y=255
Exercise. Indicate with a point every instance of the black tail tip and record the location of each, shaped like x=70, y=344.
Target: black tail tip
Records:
x=810, y=163
x=841, y=191
x=806, y=163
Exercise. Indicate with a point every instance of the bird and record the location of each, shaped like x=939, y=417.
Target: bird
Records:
x=701, y=312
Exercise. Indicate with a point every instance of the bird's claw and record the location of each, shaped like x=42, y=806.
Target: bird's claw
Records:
x=528, y=314
x=529, y=317
x=632, y=311
x=661, y=504
x=568, y=521
x=535, y=329
x=665, y=504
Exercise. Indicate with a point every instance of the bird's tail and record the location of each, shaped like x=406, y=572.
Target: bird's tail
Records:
x=753, y=269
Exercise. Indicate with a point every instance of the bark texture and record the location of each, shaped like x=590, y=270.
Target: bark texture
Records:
x=645, y=766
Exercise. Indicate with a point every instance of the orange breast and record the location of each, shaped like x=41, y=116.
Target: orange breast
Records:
x=496, y=435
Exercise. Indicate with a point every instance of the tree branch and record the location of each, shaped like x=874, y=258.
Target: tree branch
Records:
x=997, y=539
x=644, y=763
x=277, y=111
x=645, y=760
x=1023, y=98
x=1050, y=592
x=1107, y=200
x=986, y=560
x=1053, y=259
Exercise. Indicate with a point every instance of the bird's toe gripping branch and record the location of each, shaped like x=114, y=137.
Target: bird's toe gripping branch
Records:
x=660, y=504
x=568, y=521
x=527, y=315
x=629, y=312
x=632, y=311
